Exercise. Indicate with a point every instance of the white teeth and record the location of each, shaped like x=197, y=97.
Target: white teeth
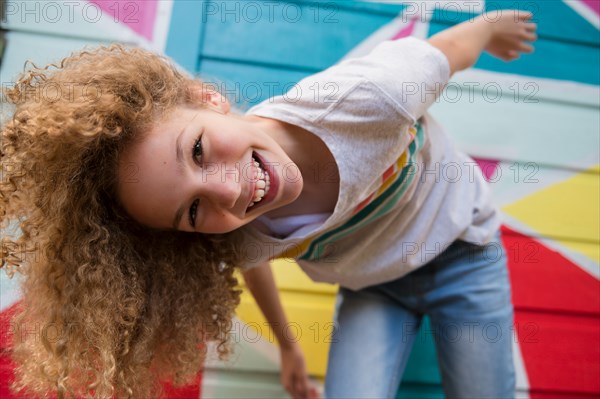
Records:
x=262, y=184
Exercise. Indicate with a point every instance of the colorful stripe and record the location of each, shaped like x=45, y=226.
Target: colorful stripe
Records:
x=394, y=183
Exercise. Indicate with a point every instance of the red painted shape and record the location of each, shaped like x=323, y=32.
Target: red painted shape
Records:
x=556, y=319
x=488, y=167
x=139, y=15
x=545, y=280
x=407, y=31
x=7, y=366
x=187, y=392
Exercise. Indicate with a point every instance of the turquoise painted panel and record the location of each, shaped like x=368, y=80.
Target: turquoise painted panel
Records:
x=413, y=391
x=383, y=8
x=551, y=59
x=246, y=85
x=185, y=34
x=422, y=364
x=299, y=38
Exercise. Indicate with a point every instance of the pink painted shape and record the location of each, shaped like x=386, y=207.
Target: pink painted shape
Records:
x=407, y=31
x=138, y=15
x=488, y=167
x=594, y=5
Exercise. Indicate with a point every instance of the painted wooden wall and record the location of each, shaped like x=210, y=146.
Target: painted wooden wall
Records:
x=512, y=117
x=533, y=125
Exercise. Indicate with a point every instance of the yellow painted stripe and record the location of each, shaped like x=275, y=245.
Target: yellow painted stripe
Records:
x=567, y=209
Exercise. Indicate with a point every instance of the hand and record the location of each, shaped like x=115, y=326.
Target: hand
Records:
x=510, y=32
x=293, y=374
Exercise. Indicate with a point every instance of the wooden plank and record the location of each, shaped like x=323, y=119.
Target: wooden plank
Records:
x=422, y=367
x=561, y=352
x=581, y=64
x=290, y=277
x=498, y=125
x=41, y=49
x=566, y=210
x=246, y=85
x=389, y=8
x=228, y=383
x=76, y=20
x=295, y=35
x=421, y=391
x=465, y=109
x=185, y=34
x=556, y=20
x=310, y=317
x=538, y=273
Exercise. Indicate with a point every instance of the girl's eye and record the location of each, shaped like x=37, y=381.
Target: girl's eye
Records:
x=193, y=209
x=197, y=150
x=197, y=157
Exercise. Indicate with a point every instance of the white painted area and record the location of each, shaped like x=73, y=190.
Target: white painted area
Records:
x=509, y=185
x=522, y=382
x=488, y=117
x=161, y=25
x=10, y=291
x=252, y=351
x=533, y=88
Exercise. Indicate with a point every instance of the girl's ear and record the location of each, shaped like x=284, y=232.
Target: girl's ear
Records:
x=212, y=99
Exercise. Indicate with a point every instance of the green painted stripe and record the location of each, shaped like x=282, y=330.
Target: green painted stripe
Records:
x=377, y=208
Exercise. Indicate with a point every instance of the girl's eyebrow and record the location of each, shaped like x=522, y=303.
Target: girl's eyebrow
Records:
x=179, y=151
x=179, y=158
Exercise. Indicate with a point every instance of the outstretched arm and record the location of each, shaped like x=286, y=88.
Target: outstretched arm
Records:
x=294, y=375
x=503, y=34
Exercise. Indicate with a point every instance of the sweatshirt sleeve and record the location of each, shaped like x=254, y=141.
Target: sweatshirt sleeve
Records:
x=410, y=71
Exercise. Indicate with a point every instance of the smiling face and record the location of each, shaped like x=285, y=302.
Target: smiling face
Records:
x=205, y=170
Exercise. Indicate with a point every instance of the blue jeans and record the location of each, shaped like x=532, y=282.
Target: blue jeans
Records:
x=465, y=291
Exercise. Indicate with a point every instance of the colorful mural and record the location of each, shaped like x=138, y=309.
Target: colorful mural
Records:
x=532, y=125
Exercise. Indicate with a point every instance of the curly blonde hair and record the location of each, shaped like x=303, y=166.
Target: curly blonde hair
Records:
x=117, y=307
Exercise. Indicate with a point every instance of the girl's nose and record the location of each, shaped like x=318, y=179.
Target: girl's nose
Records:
x=223, y=187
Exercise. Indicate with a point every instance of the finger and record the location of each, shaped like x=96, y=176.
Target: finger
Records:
x=512, y=55
x=525, y=48
x=524, y=15
x=531, y=26
x=529, y=36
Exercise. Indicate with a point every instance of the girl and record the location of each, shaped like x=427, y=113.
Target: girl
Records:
x=138, y=193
